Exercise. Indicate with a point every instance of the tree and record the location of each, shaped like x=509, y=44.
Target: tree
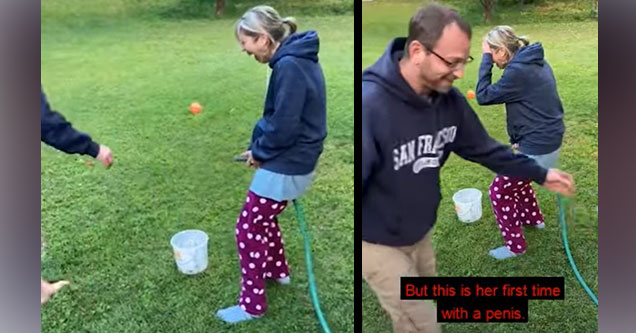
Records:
x=488, y=6
x=220, y=5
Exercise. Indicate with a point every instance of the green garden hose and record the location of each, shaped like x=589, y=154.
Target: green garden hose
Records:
x=569, y=254
x=312, y=282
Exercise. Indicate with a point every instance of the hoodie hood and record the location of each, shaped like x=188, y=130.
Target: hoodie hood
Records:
x=386, y=73
x=301, y=45
x=531, y=54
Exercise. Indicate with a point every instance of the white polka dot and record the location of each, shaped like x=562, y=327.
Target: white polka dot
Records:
x=273, y=225
x=257, y=255
x=505, y=178
x=508, y=246
x=527, y=200
x=280, y=251
x=497, y=179
x=243, y=307
x=265, y=239
x=523, y=192
x=255, y=290
x=510, y=242
x=494, y=203
x=505, y=217
x=514, y=215
x=498, y=196
x=271, y=217
x=248, y=199
x=262, y=292
x=264, y=264
x=247, y=300
x=265, y=224
x=260, y=217
x=496, y=188
x=263, y=201
x=534, y=213
x=258, y=307
x=520, y=183
x=278, y=263
x=237, y=231
x=270, y=234
x=539, y=222
x=278, y=234
x=270, y=258
x=534, y=204
x=499, y=226
x=506, y=197
x=269, y=274
x=244, y=213
x=519, y=247
x=249, y=282
x=249, y=235
x=240, y=258
x=274, y=206
x=252, y=266
x=503, y=233
x=258, y=237
x=245, y=226
x=242, y=245
x=272, y=244
x=523, y=215
x=243, y=270
x=241, y=300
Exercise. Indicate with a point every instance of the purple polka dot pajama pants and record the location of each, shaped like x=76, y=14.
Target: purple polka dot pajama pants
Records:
x=515, y=205
x=260, y=248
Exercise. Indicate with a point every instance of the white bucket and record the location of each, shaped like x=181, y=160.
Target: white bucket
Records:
x=468, y=205
x=190, y=249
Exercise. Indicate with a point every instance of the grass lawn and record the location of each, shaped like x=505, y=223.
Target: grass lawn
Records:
x=462, y=250
x=129, y=83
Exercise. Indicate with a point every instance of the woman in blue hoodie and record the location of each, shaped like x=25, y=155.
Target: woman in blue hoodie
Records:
x=535, y=125
x=286, y=144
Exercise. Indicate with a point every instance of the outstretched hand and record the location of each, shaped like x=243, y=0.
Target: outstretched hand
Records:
x=559, y=182
x=47, y=290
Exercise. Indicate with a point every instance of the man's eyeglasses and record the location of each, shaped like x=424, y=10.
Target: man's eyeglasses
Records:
x=453, y=64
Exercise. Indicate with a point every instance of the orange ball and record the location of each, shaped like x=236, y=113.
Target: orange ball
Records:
x=195, y=108
x=470, y=94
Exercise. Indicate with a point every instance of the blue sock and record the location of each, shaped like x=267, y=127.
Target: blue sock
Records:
x=539, y=226
x=234, y=314
x=502, y=252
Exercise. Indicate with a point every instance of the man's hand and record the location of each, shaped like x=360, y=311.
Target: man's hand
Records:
x=559, y=182
x=49, y=289
x=105, y=156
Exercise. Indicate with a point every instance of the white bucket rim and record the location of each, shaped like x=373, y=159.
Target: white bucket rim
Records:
x=458, y=193
x=205, y=239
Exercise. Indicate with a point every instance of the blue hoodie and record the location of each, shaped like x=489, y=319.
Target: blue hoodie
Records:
x=406, y=139
x=533, y=109
x=288, y=139
x=60, y=134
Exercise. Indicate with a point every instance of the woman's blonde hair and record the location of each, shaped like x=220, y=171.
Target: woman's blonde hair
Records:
x=504, y=37
x=265, y=20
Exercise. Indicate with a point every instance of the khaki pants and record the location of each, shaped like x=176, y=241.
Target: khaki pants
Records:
x=382, y=267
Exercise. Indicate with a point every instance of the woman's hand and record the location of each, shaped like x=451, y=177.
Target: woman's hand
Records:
x=485, y=47
x=250, y=161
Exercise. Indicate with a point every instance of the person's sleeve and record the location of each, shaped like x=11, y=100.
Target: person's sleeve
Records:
x=57, y=132
x=370, y=156
x=473, y=143
x=507, y=90
x=281, y=131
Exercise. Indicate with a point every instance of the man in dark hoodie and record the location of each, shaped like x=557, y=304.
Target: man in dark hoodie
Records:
x=58, y=133
x=412, y=118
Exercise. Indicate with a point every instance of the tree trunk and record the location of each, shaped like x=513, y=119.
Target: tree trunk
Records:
x=488, y=5
x=220, y=5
